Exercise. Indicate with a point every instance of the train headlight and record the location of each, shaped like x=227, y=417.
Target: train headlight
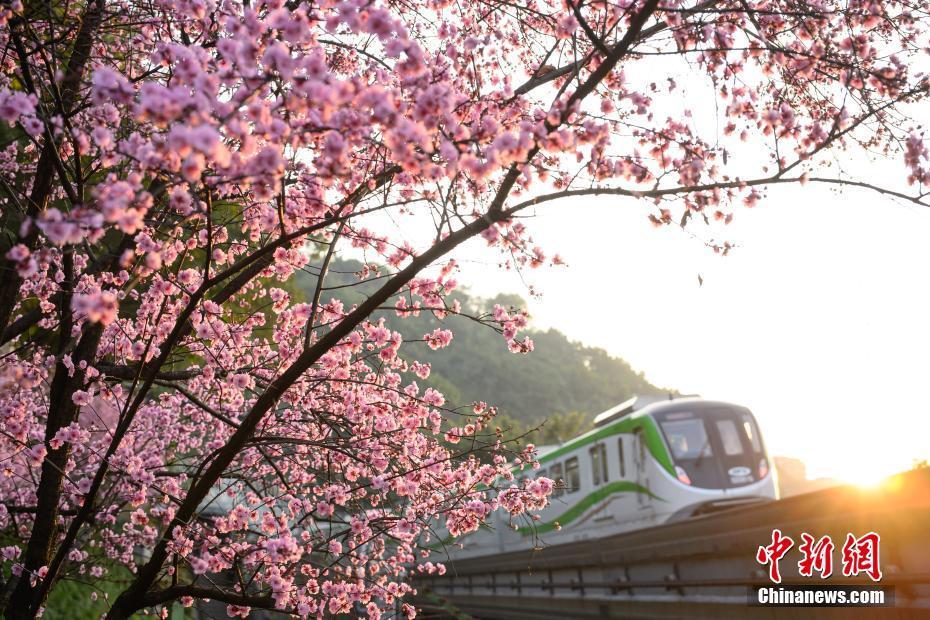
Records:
x=763, y=468
x=682, y=475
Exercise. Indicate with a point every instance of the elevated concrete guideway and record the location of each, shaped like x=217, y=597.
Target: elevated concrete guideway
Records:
x=703, y=567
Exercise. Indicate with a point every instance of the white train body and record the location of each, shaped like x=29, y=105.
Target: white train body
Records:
x=640, y=467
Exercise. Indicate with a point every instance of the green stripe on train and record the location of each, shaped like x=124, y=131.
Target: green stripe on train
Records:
x=622, y=486
x=654, y=441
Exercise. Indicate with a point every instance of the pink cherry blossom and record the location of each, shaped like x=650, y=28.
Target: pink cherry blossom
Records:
x=186, y=182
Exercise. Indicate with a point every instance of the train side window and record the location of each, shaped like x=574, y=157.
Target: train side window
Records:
x=595, y=464
x=605, y=476
x=622, y=457
x=555, y=472
x=572, y=475
x=599, y=463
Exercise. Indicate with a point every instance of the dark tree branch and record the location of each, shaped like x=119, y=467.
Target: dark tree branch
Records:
x=130, y=373
x=539, y=80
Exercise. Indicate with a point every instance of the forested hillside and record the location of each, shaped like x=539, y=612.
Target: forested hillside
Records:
x=558, y=378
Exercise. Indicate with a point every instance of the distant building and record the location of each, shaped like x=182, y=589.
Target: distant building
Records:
x=793, y=480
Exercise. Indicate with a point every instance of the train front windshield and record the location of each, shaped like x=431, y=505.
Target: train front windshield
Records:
x=714, y=447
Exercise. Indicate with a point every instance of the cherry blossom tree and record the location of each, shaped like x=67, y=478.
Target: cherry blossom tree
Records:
x=170, y=404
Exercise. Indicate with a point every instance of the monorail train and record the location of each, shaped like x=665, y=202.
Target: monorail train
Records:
x=645, y=463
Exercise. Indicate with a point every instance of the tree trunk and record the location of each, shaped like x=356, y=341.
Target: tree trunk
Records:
x=62, y=412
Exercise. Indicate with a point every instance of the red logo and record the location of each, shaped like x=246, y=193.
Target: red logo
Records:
x=818, y=556
x=860, y=555
x=774, y=552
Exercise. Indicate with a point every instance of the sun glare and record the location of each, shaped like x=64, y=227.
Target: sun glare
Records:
x=871, y=480
x=867, y=475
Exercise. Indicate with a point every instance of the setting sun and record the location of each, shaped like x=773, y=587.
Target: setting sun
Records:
x=866, y=478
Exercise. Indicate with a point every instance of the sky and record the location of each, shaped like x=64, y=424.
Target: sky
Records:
x=819, y=320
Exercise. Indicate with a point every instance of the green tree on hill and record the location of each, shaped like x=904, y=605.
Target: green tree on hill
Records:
x=562, y=381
